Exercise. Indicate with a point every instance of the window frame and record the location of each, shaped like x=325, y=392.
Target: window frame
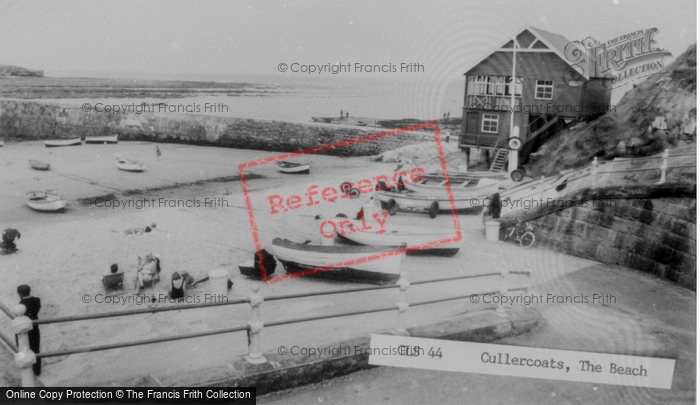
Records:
x=488, y=118
x=542, y=87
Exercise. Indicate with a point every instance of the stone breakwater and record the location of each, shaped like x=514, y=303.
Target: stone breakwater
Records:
x=30, y=121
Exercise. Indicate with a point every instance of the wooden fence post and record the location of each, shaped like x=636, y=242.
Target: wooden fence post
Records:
x=402, y=305
x=25, y=359
x=255, y=326
x=503, y=290
x=664, y=166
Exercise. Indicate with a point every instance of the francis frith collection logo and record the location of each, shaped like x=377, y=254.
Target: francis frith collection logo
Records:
x=623, y=59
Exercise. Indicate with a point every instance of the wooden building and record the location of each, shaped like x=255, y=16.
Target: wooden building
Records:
x=552, y=89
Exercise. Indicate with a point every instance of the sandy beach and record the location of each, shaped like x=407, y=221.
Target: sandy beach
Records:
x=63, y=255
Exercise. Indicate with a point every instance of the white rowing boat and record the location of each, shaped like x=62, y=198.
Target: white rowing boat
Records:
x=360, y=264
x=63, y=142
x=409, y=201
x=293, y=168
x=102, y=139
x=37, y=165
x=419, y=239
x=461, y=189
x=129, y=165
x=45, y=201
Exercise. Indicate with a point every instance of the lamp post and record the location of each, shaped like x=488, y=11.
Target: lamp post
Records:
x=514, y=131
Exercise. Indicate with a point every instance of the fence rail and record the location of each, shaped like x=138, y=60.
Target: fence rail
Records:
x=22, y=324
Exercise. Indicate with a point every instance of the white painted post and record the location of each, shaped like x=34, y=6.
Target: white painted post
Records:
x=25, y=359
x=255, y=326
x=594, y=172
x=402, y=305
x=664, y=166
x=503, y=290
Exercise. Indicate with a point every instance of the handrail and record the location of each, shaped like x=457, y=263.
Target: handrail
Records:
x=267, y=324
x=140, y=342
x=136, y=312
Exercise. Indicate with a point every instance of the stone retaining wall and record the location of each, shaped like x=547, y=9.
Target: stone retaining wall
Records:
x=656, y=235
x=26, y=120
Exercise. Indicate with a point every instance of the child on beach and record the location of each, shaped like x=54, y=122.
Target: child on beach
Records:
x=138, y=230
x=158, y=152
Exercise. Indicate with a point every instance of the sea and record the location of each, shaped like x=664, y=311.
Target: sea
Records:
x=298, y=97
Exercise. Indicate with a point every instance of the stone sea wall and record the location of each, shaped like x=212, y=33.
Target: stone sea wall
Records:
x=656, y=234
x=26, y=120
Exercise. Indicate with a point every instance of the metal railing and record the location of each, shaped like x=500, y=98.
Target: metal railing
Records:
x=25, y=358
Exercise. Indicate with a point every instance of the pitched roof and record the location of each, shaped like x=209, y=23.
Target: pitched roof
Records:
x=556, y=43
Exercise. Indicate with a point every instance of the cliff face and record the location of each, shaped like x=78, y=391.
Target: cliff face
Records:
x=628, y=129
x=7, y=70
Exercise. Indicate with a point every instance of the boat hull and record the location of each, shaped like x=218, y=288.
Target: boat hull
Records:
x=37, y=165
x=414, y=237
x=375, y=265
x=102, y=139
x=63, y=142
x=131, y=167
x=43, y=201
x=293, y=168
x=461, y=189
x=416, y=201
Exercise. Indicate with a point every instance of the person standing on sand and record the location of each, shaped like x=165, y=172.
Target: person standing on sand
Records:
x=33, y=305
x=341, y=114
x=158, y=152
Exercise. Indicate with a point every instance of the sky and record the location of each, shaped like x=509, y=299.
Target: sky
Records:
x=241, y=37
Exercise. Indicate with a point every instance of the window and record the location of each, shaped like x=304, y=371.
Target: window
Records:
x=544, y=90
x=517, y=86
x=489, y=123
x=494, y=86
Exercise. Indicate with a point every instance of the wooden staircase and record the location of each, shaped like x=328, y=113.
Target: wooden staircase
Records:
x=500, y=160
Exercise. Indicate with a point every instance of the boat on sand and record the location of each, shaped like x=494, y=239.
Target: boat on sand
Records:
x=293, y=168
x=45, y=201
x=37, y=165
x=63, y=142
x=419, y=239
x=129, y=165
x=359, y=264
x=102, y=139
x=461, y=188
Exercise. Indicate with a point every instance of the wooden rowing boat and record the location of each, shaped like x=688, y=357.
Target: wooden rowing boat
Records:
x=45, y=201
x=63, y=142
x=37, y=165
x=461, y=189
x=129, y=165
x=293, y=168
x=419, y=240
x=456, y=176
x=410, y=201
x=102, y=139
x=359, y=264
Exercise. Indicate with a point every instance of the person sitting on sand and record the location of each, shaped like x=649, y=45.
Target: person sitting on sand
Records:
x=179, y=285
x=148, y=271
x=139, y=230
x=113, y=269
x=8, y=239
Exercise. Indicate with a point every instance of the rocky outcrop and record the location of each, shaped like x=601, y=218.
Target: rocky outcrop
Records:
x=7, y=70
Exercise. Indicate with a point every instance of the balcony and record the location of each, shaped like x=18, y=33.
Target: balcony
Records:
x=500, y=103
x=482, y=141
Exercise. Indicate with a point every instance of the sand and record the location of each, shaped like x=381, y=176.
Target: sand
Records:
x=63, y=255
